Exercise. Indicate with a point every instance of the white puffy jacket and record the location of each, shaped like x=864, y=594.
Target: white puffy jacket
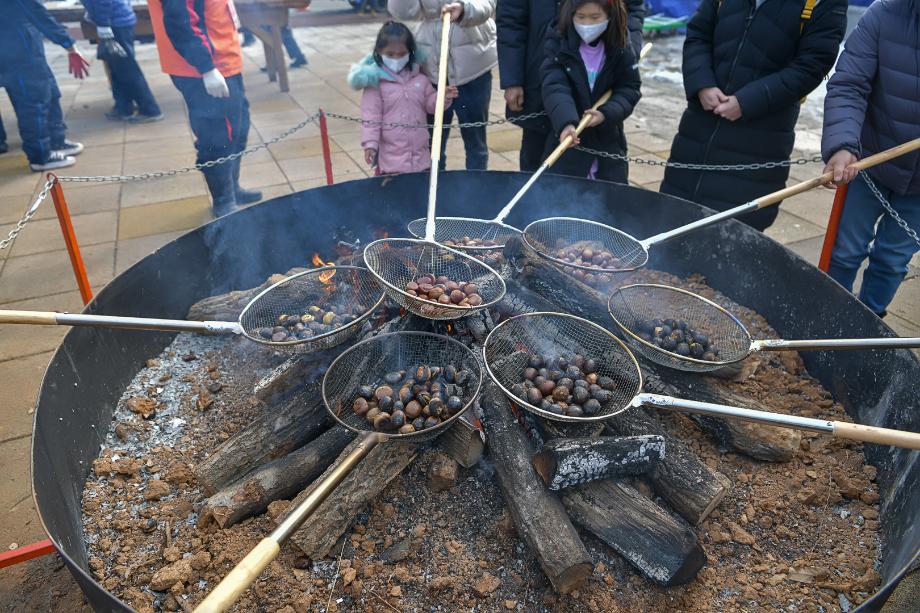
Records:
x=472, y=51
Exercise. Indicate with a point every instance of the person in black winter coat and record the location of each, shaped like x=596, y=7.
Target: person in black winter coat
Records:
x=522, y=26
x=587, y=54
x=747, y=65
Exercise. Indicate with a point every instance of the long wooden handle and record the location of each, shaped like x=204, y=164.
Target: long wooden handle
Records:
x=229, y=590
x=880, y=436
x=558, y=151
x=44, y=318
x=436, y=136
x=249, y=568
x=869, y=162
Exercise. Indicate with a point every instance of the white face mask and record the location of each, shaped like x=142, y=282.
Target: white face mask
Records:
x=590, y=32
x=395, y=64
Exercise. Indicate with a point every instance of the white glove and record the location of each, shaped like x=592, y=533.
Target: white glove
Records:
x=215, y=84
x=104, y=32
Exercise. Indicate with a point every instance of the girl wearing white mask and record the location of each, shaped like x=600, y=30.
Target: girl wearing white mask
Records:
x=587, y=54
x=395, y=92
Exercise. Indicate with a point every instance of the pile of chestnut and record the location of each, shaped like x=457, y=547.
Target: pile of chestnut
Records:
x=563, y=385
x=443, y=290
x=466, y=241
x=676, y=336
x=314, y=321
x=412, y=400
x=590, y=254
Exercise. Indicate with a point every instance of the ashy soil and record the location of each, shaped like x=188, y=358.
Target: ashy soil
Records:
x=801, y=535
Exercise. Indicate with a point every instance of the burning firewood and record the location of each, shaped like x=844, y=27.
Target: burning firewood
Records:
x=538, y=515
x=280, y=479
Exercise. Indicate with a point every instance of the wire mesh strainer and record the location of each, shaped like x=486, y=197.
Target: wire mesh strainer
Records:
x=639, y=309
x=509, y=345
x=367, y=362
x=399, y=261
x=514, y=342
x=467, y=233
x=349, y=293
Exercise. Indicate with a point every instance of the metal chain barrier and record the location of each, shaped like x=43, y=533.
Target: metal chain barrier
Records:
x=816, y=159
x=178, y=171
x=890, y=209
x=472, y=124
x=30, y=213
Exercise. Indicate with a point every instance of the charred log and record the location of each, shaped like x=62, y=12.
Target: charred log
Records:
x=657, y=545
x=538, y=515
x=563, y=463
x=337, y=513
x=280, y=430
x=280, y=479
x=464, y=441
x=681, y=478
x=227, y=307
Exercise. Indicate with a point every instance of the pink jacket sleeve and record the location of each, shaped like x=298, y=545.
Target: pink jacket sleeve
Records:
x=371, y=110
x=431, y=98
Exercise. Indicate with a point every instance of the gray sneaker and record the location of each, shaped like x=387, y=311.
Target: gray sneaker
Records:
x=55, y=160
x=70, y=148
x=145, y=118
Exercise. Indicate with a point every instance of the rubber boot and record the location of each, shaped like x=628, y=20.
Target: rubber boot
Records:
x=243, y=196
x=220, y=183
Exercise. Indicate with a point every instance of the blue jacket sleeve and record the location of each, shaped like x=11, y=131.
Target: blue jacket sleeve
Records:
x=100, y=11
x=36, y=13
x=185, y=27
x=697, y=64
x=849, y=89
x=817, y=50
x=512, y=19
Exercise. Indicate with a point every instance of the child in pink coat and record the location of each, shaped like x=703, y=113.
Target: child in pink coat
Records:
x=395, y=91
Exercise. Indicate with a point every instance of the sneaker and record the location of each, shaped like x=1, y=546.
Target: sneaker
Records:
x=146, y=118
x=70, y=148
x=298, y=63
x=57, y=159
x=116, y=116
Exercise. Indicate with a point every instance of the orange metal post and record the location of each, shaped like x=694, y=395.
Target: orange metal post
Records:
x=833, y=225
x=27, y=552
x=327, y=154
x=73, y=249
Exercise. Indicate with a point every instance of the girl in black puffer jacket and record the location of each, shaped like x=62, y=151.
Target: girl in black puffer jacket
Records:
x=586, y=55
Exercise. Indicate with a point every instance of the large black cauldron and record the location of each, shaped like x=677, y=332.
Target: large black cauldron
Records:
x=91, y=368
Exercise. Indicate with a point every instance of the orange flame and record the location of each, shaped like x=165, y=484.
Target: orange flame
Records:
x=324, y=277
x=450, y=328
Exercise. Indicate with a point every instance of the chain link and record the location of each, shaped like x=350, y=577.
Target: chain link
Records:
x=30, y=213
x=472, y=124
x=816, y=159
x=178, y=171
x=890, y=209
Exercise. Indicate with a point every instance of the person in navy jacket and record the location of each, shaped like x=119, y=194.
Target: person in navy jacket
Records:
x=115, y=21
x=31, y=86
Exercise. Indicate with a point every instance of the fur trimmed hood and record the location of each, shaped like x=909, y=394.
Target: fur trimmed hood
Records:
x=367, y=72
